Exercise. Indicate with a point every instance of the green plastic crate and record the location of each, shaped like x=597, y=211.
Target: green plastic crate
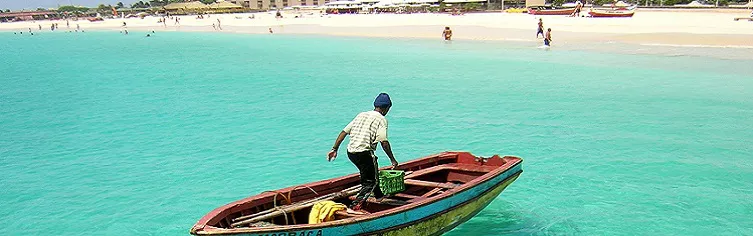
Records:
x=391, y=181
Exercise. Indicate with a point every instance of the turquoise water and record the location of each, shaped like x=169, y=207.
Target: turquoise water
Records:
x=105, y=134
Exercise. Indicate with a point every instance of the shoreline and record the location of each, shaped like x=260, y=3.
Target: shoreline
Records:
x=646, y=29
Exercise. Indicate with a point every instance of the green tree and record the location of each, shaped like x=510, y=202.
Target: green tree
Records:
x=471, y=6
x=102, y=8
x=558, y=2
x=207, y=1
x=119, y=5
x=158, y=3
x=72, y=9
x=7, y=10
x=597, y=2
x=139, y=4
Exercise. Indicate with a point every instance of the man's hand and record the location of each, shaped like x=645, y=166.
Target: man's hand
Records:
x=394, y=164
x=331, y=155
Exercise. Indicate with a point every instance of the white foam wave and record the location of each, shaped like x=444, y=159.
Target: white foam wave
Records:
x=696, y=45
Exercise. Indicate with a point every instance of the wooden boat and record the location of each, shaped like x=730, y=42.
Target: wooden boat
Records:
x=441, y=192
x=545, y=11
x=611, y=13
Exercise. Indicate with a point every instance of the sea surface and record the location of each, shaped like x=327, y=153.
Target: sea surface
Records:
x=106, y=134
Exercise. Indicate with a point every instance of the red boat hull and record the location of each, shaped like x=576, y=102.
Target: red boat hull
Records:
x=566, y=11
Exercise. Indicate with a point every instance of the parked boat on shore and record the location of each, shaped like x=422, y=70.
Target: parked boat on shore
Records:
x=550, y=11
x=441, y=192
x=611, y=13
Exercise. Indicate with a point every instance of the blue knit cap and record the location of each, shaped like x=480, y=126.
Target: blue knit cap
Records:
x=383, y=100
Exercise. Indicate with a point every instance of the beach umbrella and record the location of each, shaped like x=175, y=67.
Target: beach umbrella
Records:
x=224, y=5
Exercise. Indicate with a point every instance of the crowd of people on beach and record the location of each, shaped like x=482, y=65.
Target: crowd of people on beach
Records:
x=447, y=34
x=53, y=28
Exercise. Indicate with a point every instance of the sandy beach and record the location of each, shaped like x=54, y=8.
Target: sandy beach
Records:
x=711, y=28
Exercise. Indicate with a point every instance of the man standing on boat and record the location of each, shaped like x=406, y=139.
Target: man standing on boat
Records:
x=366, y=130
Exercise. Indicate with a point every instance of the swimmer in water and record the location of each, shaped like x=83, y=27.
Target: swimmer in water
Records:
x=148, y=35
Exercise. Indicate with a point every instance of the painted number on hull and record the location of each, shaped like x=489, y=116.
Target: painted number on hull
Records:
x=302, y=233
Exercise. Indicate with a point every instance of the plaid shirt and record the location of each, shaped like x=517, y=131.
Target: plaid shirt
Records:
x=366, y=130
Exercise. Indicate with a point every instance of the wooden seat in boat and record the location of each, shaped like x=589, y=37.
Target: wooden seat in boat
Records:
x=452, y=166
x=403, y=195
x=429, y=184
x=384, y=201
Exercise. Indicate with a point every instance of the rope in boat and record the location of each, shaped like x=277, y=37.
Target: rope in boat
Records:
x=289, y=197
x=288, y=200
x=274, y=204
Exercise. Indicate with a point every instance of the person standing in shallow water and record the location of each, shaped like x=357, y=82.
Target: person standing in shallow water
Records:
x=541, y=29
x=548, y=37
x=447, y=33
x=366, y=130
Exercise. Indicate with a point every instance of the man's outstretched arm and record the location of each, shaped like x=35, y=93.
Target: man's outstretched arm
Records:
x=333, y=153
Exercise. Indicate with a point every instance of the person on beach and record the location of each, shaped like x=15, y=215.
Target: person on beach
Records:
x=578, y=7
x=78, y=27
x=219, y=26
x=366, y=130
x=548, y=37
x=40, y=27
x=270, y=30
x=447, y=33
x=541, y=28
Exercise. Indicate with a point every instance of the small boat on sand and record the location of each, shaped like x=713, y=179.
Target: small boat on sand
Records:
x=550, y=11
x=611, y=13
x=440, y=192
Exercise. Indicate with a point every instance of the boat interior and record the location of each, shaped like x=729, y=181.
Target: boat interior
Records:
x=425, y=179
